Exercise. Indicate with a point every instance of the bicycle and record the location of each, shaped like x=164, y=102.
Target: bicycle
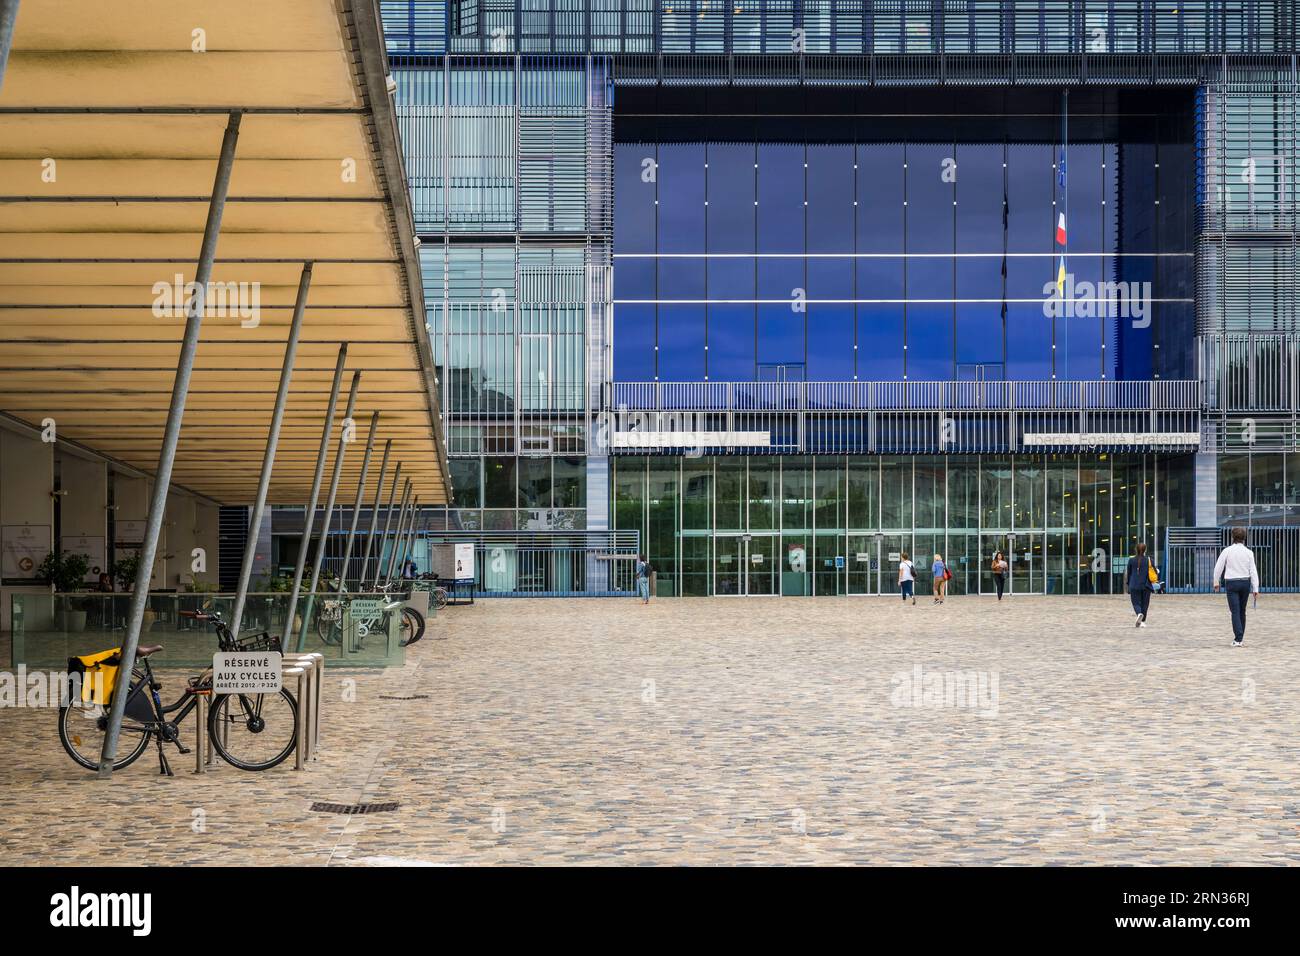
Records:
x=437, y=593
x=82, y=729
x=329, y=619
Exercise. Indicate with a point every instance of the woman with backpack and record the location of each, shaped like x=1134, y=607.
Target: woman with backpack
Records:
x=941, y=578
x=999, y=568
x=1140, y=579
x=907, y=577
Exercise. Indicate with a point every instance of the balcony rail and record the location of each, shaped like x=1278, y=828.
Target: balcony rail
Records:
x=1170, y=395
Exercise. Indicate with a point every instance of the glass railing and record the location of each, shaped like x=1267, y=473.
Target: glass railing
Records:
x=50, y=628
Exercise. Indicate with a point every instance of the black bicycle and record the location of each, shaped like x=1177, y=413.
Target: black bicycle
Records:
x=249, y=731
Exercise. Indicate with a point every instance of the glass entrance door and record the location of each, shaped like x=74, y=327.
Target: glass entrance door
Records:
x=863, y=564
x=744, y=565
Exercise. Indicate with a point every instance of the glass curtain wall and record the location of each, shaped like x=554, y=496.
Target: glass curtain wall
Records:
x=838, y=525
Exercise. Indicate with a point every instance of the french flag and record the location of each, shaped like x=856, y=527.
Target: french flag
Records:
x=1060, y=230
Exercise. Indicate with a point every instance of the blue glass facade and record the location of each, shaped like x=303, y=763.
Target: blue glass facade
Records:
x=819, y=237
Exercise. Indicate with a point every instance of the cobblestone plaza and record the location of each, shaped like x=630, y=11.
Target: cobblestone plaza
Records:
x=702, y=731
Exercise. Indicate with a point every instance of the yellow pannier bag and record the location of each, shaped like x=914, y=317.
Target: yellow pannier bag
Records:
x=98, y=675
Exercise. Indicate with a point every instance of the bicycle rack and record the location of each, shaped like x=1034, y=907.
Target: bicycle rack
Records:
x=307, y=671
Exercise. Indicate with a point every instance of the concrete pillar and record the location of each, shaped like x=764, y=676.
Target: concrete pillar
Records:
x=1206, y=473
x=83, y=510
x=207, y=535
x=26, y=511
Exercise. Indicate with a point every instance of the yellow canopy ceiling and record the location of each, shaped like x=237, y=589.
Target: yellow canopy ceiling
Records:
x=111, y=121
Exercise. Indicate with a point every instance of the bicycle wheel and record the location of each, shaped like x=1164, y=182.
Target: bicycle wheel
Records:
x=412, y=626
x=439, y=598
x=330, y=629
x=254, y=731
x=82, y=730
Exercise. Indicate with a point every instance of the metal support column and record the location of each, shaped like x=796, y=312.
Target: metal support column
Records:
x=397, y=532
x=329, y=511
x=171, y=434
x=374, y=516
x=268, y=456
x=388, y=520
x=309, y=516
x=408, y=548
x=356, y=503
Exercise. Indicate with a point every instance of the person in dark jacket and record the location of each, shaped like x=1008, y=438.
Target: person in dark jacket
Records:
x=1137, y=580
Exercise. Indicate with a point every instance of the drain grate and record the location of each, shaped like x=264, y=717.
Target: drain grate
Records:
x=353, y=807
x=409, y=697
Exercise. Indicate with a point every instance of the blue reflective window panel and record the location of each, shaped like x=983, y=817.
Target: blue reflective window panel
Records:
x=681, y=343
x=634, y=200
x=1029, y=343
x=929, y=342
x=634, y=343
x=979, y=338
x=880, y=342
x=929, y=277
x=681, y=197
x=1083, y=189
x=929, y=199
x=731, y=194
x=830, y=343
x=830, y=279
x=681, y=278
x=979, y=198
x=1078, y=346
x=731, y=278
x=635, y=279
x=880, y=198
x=731, y=343
x=1030, y=190
x=1027, y=276
x=880, y=278
x=830, y=198
x=779, y=278
x=780, y=198
x=979, y=277
x=780, y=335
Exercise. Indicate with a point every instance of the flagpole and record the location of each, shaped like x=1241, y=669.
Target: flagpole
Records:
x=1065, y=209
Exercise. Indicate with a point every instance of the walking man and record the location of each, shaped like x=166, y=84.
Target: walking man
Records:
x=643, y=579
x=1239, y=576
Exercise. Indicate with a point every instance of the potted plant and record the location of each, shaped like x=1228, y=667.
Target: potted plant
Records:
x=124, y=571
x=65, y=572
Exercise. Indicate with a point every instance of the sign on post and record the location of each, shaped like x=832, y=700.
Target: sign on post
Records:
x=465, y=562
x=246, y=672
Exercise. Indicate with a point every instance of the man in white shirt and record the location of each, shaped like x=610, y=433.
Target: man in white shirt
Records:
x=1236, y=570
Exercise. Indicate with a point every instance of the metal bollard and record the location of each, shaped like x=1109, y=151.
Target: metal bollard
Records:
x=200, y=732
x=314, y=663
x=300, y=673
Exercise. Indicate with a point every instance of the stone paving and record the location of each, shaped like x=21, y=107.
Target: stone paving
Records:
x=731, y=731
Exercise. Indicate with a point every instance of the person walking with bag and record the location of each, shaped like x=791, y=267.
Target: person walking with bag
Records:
x=941, y=578
x=1237, y=572
x=643, y=579
x=907, y=578
x=999, y=568
x=1139, y=579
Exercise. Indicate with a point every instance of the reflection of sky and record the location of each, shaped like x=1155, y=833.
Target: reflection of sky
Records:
x=874, y=260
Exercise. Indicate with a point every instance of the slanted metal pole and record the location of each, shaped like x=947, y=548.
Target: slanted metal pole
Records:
x=8, y=23
x=397, y=533
x=329, y=511
x=388, y=520
x=356, y=504
x=410, y=536
x=171, y=435
x=374, y=516
x=268, y=456
x=309, y=516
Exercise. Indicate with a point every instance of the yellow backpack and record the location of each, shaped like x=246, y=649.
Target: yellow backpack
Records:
x=98, y=675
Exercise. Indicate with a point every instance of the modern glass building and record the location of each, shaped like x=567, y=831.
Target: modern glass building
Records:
x=792, y=287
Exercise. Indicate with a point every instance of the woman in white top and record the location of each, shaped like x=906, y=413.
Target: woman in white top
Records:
x=907, y=577
x=1237, y=572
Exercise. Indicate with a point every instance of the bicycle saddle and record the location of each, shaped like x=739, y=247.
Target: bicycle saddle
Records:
x=147, y=650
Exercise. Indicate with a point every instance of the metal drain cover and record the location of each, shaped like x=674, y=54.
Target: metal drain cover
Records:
x=408, y=697
x=353, y=807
